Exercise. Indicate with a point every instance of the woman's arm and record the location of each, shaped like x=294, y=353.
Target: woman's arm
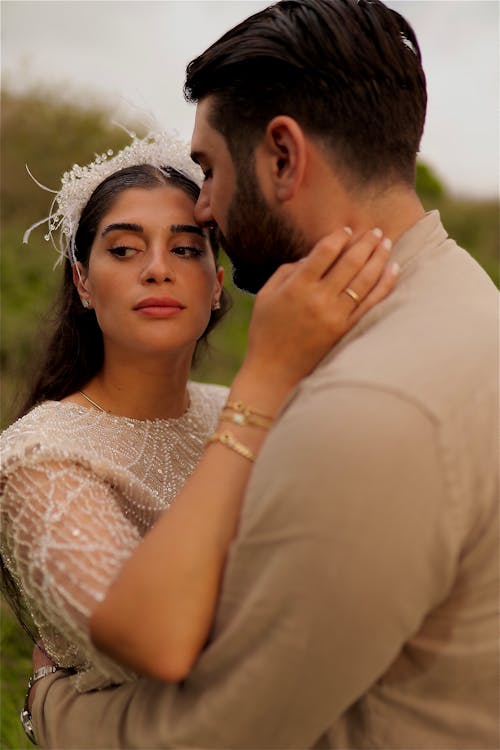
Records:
x=64, y=539
x=157, y=615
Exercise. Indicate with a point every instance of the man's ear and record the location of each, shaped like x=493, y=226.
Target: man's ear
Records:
x=285, y=144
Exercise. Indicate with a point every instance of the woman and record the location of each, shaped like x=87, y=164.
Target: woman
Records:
x=119, y=428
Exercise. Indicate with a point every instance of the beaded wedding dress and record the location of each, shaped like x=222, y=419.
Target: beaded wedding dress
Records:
x=79, y=489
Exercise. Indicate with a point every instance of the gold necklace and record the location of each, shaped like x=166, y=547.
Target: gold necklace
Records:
x=91, y=402
x=97, y=406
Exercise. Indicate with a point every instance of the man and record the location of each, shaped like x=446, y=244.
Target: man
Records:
x=360, y=602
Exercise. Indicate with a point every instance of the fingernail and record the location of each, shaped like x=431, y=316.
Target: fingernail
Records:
x=386, y=243
x=378, y=232
x=395, y=269
x=348, y=230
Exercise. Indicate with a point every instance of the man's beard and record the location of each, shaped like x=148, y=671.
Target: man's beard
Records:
x=257, y=241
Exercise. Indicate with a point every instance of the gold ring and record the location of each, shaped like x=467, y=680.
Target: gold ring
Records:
x=352, y=294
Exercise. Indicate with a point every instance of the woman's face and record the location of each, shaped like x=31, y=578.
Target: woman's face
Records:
x=151, y=278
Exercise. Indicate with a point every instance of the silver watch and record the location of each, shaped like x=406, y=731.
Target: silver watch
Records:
x=25, y=716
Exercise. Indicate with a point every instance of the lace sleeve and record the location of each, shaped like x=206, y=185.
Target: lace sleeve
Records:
x=65, y=539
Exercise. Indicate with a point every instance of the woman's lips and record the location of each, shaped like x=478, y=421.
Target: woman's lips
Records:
x=159, y=307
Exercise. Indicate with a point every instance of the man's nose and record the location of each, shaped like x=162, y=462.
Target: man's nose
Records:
x=202, y=210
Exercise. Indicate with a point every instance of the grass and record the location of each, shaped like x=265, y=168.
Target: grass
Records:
x=15, y=668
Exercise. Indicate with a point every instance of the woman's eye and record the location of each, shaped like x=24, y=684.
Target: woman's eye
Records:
x=123, y=251
x=188, y=252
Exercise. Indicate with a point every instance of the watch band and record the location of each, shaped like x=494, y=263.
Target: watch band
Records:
x=42, y=672
x=25, y=715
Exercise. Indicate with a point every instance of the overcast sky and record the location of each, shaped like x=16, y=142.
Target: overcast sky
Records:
x=136, y=51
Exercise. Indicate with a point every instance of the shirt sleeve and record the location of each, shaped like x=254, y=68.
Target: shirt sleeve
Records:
x=344, y=546
x=65, y=539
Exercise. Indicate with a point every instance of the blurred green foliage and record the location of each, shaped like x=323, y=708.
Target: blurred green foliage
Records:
x=50, y=135
x=474, y=224
x=429, y=185
x=15, y=664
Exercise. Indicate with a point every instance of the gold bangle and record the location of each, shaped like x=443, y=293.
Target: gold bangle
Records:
x=228, y=439
x=241, y=408
x=246, y=419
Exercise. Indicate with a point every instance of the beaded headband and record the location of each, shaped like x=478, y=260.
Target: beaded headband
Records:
x=158, y=149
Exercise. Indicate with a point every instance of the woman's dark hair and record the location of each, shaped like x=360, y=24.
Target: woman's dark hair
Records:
x=348, y=71
x=74, y=352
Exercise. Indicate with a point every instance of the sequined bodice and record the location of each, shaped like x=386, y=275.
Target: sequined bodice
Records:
x=80, y=489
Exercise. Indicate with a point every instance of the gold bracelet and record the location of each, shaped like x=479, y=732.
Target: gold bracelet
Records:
x=246, y=419
x=228, y=439
x=241, y=408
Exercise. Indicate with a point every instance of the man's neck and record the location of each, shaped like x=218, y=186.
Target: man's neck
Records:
x=328, y=206
x=394, y=210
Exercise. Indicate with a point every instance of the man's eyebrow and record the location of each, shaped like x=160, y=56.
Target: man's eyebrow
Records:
x=181, y=228
x=123, y=226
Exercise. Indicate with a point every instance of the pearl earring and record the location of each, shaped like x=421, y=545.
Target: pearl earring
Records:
x=85, y=302
x=216, y=305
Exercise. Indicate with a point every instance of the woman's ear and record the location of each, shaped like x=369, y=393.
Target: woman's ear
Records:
x=285, y=146
x=218, y=285
x=80, y=281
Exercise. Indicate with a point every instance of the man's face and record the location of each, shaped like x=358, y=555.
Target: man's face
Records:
x=256, y=238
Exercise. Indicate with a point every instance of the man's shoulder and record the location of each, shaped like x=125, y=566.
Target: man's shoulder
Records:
x=433, y=342
x=416, y=382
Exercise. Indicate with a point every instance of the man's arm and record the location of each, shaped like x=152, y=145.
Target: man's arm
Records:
x=343, y=548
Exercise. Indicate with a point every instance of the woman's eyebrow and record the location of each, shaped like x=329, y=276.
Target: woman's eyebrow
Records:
x=180, y=228
x=123, y=226
x=175, y=228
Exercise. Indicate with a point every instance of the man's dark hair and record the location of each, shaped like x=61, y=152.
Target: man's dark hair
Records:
x=348, y=71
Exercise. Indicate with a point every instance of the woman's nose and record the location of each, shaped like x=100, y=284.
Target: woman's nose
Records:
x=158, y=266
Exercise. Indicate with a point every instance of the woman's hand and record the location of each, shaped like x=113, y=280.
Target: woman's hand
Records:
x=306, y=307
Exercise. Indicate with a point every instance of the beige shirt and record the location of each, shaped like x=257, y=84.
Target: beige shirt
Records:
x=360, y=602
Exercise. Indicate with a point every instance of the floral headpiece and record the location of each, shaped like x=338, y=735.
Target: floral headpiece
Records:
x=158, y=149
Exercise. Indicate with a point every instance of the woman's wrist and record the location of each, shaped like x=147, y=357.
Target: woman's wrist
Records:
x=260, y=391
x=242, y=427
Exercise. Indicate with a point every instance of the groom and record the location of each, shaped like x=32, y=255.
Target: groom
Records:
x=360, y=601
